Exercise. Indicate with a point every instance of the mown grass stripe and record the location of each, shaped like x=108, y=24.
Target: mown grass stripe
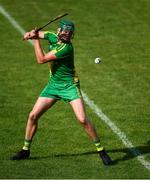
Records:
x=121, y=135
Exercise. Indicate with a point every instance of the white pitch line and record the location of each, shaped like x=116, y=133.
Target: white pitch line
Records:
x=13, y=21
x=122, y=136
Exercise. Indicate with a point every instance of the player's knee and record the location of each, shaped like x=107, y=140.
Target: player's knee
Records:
x=83, y=120
x=32, y=116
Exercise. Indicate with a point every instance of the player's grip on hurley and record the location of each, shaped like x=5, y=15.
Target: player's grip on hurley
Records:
x=33, y=34
x=30, y=35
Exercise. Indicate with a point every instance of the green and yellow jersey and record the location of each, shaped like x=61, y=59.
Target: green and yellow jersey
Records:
x=62, y=69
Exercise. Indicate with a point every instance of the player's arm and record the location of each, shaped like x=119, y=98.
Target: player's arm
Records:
x=40, y=55
x=58, y=53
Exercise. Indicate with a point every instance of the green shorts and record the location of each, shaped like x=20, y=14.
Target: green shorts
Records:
x=62, y=91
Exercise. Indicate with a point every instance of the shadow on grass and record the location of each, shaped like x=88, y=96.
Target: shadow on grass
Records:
x=129, y=153
x=65, y=155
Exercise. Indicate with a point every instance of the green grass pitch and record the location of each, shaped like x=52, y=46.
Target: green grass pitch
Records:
x=118, y=31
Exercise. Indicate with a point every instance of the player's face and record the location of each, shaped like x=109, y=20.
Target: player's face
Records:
x=65, y=35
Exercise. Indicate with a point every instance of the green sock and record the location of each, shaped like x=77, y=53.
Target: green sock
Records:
x=98, y=145
x=27, y=144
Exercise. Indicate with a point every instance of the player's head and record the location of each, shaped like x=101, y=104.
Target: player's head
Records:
x=66, y=30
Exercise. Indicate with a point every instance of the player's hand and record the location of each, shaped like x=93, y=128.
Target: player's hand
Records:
x=26, y=36
x=31, y=35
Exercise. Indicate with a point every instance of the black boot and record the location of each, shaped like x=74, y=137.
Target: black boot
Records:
x=105, y=157
x=23, y=154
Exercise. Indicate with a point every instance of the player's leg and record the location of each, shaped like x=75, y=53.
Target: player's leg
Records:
x=41, y=105
x=79, y=110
